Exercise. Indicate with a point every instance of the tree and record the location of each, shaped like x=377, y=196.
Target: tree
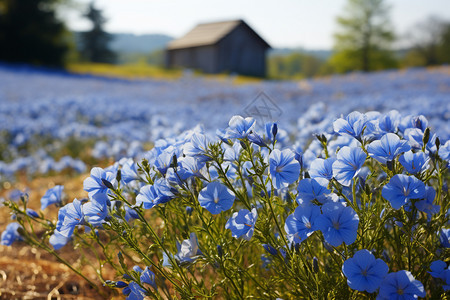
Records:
x=364, y=38
x=30, y=32
x=429, y=41
x=94, y=43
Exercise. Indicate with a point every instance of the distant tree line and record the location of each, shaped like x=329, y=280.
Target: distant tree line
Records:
x=364, y=41
x=31, y=32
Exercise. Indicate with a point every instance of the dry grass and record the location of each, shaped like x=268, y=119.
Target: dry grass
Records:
x=145, y=71
x=29, y=273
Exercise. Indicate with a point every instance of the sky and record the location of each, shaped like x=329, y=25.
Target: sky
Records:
x=282, y=23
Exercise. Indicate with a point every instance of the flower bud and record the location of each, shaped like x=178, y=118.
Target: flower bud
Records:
x=121, y=284
x=219, y=251
x=189, y=210
x=315, y=265
x=174, y=161
x=426, y=136
x=274, y=130
x=270, y=249
x=32, y=213
x=119, y=175
x=107, y=184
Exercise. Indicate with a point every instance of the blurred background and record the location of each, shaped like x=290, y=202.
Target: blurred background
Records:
x=90, y=83
x=306, y=38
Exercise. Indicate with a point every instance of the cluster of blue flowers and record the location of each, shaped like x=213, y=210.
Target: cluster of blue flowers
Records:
x=129, y=114
x=368, y=201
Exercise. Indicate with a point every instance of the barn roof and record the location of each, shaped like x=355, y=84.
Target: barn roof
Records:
x=208, y=34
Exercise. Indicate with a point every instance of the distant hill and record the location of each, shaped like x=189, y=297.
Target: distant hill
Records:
x=144, y=43
x=321, y=54
x=133, y=43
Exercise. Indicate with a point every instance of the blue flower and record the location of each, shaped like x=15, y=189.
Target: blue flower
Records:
x=188, y=251
x=353, y=125
x=57, y=240
x=444, y=237
x=15, y=195
x=387, y=148
x=284, y=169
x=190, y=166
x=230, y=171
x=52, y=196
x=242, y=223
x=148, y=277
x=438, y=269
x=415, y=138
x=427, y=205
x=96, y=183
x=158, y=193
x=364, y=272
x=95, y=212
x=400, y=285
x=232, y=153
x=73, y=216
x=134, y=292
x=163, y=161
x=390, y=121
x=310, y=189
x=414, y=162
x=401, y=188
x=130, y=213
x=10, y=234
x=197, y=147
x=338, y=223
x=446, y=278
x=348, y=164
x=322, y=168
x=444, y=151
x=256, y=139
x=420, y=122
x=216, y=197
x=129, y=172
x=239, y=128
x=301, y=224
x=271, y=131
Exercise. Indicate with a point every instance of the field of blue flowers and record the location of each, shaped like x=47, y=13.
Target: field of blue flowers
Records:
x=118, y=118
x=333, y=188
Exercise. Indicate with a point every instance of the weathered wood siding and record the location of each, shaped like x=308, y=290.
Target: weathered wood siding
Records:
x=202, y=58
x=242, y=52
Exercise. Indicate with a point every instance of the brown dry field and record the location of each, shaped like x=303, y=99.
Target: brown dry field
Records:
x=29, y=273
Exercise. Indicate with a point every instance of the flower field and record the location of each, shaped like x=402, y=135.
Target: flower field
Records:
x=333, y=188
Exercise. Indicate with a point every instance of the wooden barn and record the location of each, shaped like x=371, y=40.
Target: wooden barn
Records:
x=220, y=47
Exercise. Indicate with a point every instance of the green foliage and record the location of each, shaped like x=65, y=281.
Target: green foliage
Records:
x=363, y=41
x=30, y=32
x=155, y=58
x=430, y=43
x=350, y=60
x=295, y=65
